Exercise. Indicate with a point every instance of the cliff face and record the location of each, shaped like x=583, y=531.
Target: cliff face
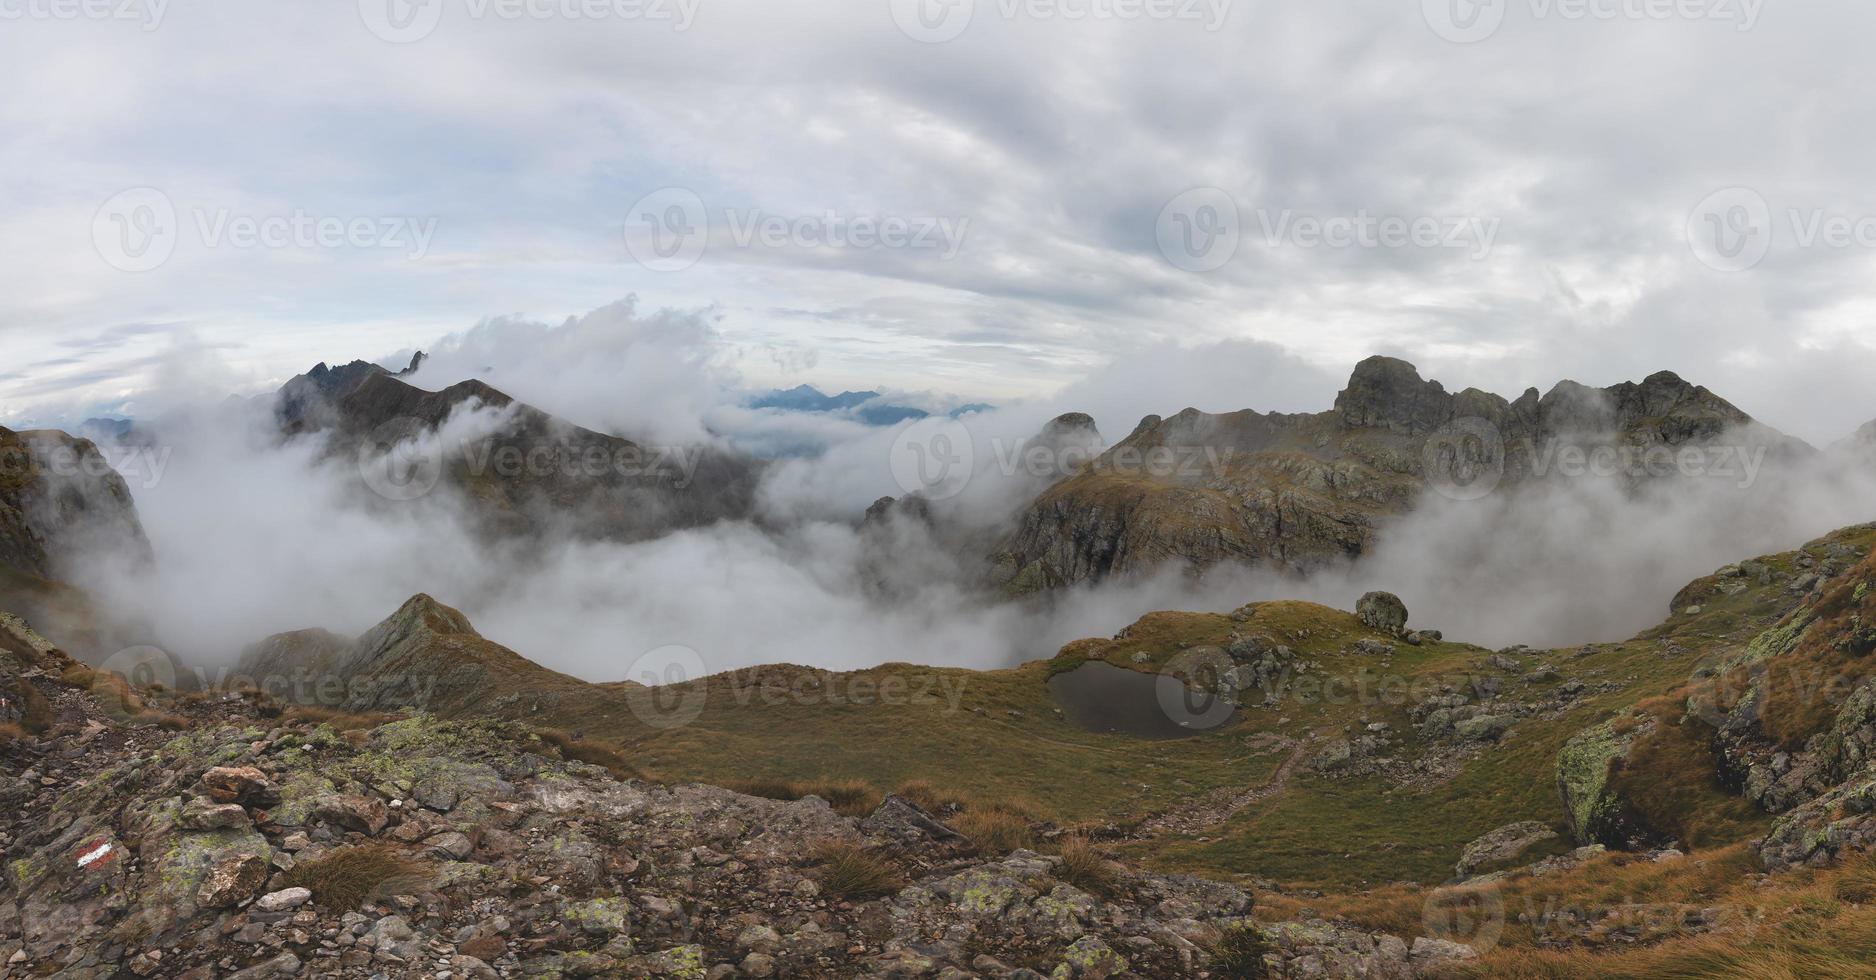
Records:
x=1301, y=491
x=59, y=500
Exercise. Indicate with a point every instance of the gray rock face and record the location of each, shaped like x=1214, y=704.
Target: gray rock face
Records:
x=60, y=503
x=1382, y=611
x=1304, y=491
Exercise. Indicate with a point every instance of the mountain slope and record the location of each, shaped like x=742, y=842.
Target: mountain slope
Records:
x=1302, y=491
x=523, y=472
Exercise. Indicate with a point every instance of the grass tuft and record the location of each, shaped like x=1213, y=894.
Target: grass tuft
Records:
x=346, y=877
x=590, y=751
x=1239, y=955
x=849, y=871
x=1087, y=869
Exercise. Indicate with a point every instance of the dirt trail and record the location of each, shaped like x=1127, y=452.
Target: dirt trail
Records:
x=1215, y=808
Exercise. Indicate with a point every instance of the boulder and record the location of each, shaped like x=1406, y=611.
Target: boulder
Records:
x=1502, y=845
x=245, y=785
x=1382, y=611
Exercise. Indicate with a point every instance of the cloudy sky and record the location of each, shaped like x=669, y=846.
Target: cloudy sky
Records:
x=995, y=199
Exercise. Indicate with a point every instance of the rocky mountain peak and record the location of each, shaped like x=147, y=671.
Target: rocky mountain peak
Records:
x=419, y=614
x=1386, y=392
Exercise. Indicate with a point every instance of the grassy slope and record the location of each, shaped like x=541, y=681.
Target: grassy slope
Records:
x=1054, y=768
x=1325, y=832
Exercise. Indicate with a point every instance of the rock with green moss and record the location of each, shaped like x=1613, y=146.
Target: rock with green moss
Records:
x=596, y=916
x=1596, y=814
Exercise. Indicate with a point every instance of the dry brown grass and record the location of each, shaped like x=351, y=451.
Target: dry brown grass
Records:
x=346, y=877
x=850, y=797
x=1087, y=869
x=848, y=871
x=925, y=796
x=163, y=719
x=10, y=732
x=341, y=721
x=590, y=751
x=35, y=710
x=994, y=829
x=1671, y=779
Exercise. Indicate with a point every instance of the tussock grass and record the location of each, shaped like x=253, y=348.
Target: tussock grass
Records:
x=346, y=877
x=35, y=710
x=164, y=720
x=848, y=871
x=1239, y=955
x=995, y=830
x=1087, y=869
x=1671, y=778
x=850, y=797
x=590, y=751
x=10, y=732
x=340, y=721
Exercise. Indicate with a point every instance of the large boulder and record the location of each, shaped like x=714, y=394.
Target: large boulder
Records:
x=1382, y=611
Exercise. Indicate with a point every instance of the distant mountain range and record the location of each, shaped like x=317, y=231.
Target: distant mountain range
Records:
x=867, y=407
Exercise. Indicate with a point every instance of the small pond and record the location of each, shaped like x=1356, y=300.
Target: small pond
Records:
x=1101, y=697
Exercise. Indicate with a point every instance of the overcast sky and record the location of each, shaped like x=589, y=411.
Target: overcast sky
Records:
x=1022, y=196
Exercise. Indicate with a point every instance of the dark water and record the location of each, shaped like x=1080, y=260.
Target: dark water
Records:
x=1104, y=698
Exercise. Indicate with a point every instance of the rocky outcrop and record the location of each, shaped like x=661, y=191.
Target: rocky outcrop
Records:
x=1303, y=491
x=520, y=471
x=1597, y=814
x=62, y=503
x=256, y=847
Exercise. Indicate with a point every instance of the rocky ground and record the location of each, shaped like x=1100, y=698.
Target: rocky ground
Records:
x=230, y=839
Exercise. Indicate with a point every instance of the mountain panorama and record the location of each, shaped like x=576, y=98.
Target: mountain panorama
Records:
x=1298, y=779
